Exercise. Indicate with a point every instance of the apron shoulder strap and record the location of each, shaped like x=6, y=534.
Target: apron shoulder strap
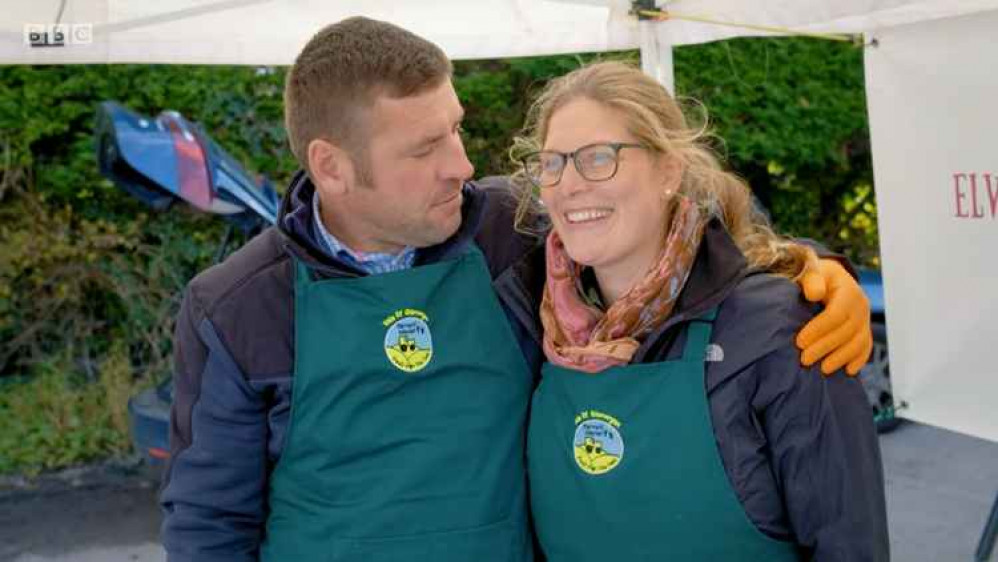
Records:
x=698, y=335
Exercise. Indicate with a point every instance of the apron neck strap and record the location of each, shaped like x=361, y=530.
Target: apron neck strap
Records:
x=698, y=336
x=303, y=277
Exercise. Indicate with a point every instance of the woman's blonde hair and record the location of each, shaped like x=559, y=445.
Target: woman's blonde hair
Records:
x=657, y=121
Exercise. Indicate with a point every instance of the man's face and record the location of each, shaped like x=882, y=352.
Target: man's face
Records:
x=417, y=168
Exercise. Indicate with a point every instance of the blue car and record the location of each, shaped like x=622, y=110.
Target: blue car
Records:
x=149, y=413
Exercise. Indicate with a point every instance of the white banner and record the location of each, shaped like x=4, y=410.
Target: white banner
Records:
x=932, y=90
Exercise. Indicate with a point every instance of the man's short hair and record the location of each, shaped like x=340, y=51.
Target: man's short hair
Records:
x=341, y=72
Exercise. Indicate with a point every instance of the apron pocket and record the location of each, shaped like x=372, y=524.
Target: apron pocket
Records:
x=496, y=542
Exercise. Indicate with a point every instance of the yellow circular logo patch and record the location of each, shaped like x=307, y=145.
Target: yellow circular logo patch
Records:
x=408, y=343
x=598, y=445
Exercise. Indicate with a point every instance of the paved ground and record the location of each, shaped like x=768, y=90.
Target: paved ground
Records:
x=102, y=514
x=940, y=486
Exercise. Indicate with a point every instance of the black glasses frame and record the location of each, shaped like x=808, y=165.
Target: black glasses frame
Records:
x=574, y=157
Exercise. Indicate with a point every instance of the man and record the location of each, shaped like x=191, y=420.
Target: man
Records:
x=348, y=384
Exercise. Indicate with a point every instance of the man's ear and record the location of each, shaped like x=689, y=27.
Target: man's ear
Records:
x=330, y=167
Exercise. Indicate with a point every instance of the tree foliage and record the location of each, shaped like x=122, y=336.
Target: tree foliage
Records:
x=792, y=114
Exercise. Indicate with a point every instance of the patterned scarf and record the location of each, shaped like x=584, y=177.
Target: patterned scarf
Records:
x=581, y=336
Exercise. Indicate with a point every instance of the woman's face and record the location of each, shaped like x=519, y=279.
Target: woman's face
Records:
x=616, y=224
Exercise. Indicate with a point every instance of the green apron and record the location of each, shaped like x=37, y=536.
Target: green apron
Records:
x=407, y=427
x=624, y=466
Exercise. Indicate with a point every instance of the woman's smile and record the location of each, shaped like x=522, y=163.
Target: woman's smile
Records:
x=590, y=215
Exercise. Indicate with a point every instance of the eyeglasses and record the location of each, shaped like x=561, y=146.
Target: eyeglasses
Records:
x=594, y=162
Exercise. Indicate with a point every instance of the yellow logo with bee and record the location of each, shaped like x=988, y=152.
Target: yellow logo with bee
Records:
x=408, y=342
x=598, y=445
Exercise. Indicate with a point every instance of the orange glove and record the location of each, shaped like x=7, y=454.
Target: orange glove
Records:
x=841, y=333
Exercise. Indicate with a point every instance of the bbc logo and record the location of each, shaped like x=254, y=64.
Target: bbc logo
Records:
x=58, y=35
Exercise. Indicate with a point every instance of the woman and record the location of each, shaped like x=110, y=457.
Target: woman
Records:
x=672, y=421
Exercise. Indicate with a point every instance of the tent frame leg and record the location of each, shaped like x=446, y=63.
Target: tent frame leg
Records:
x=220, y=252
x=988, y=536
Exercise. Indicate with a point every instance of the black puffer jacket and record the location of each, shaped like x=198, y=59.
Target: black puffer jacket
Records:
x=799, y=449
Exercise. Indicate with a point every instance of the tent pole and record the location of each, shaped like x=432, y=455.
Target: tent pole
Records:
x=656, y=53
x=987, y=544
x=220, y=252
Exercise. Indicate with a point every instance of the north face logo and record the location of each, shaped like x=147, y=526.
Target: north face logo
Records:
x=714, y=353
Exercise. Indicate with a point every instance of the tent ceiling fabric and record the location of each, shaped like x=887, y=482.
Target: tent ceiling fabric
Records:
x=271, y=32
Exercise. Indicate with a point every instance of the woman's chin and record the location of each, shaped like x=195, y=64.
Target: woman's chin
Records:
x=587, y=257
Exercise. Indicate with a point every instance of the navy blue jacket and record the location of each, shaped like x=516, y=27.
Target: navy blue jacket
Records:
x=234, y=349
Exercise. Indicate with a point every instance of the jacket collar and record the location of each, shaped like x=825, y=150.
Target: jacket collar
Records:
x=717, y=270
x=296, y=223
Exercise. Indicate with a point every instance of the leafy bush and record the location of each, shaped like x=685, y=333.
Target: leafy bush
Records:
x=53, y=419
x=72, y=284
x=792, y=113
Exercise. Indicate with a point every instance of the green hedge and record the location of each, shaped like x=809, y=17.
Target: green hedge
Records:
x=87, y=273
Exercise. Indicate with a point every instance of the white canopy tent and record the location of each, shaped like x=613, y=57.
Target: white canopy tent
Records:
x=942, y=357
x=271, y=32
